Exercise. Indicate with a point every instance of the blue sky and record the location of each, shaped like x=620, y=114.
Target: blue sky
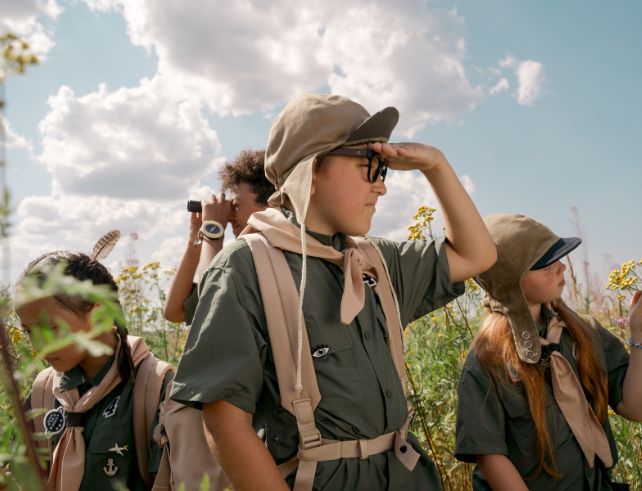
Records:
x=136, y=104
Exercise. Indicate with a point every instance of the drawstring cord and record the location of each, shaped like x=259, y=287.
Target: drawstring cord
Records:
x=299, y=331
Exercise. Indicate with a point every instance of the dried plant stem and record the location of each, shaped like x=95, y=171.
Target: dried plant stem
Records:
x=18, y=409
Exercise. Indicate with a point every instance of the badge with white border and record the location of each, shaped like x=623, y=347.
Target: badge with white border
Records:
x=110, y=410
x=54, y=421
x=369, y=280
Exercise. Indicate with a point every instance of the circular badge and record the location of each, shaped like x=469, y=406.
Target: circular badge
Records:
x=54, y=421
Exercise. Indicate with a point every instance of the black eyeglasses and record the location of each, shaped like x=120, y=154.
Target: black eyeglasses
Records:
x=380, y=169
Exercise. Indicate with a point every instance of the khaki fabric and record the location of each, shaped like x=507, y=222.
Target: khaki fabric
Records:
x=309, y=126
x=107, y=424
x=493, y=416
x=571, y=400
x=520, y=241
x=68, y=462
x=228, y=357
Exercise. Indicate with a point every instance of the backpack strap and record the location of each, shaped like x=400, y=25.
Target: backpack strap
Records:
x=148, y=383
x=42, y=397
x=279, y=294
x=390, y=305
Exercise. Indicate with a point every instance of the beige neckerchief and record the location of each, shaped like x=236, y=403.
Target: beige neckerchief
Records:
x=571, y=400
x=68, y=463
x=283, y=234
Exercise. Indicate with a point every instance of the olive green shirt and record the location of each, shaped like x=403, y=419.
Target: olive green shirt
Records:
x=493, y=417
x=190, y=303
x=108, y=426
x=228, y=356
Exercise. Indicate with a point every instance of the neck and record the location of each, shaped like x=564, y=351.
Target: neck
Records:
x=536, y=312
x=315, y=223
x=91, y=365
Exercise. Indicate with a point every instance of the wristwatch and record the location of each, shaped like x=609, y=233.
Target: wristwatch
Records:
x=211, y=229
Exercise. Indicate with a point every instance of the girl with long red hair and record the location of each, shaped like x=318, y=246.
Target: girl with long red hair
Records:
x=536, y=386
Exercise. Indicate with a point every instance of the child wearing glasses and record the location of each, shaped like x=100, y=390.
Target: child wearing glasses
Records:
x=317, y=401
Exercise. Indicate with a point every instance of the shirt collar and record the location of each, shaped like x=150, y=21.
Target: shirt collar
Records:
x=75, y=377
x=336, y=241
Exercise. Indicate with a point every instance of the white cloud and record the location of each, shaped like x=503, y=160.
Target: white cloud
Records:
x=133, y=143
x=407, y=191
x=46, y=223
x=24, y=18
x=531, y=78
x=253, y=56
x=500, y=86
x=13, y=139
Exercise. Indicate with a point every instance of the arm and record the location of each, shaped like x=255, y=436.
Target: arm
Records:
x=470, y=249
x=243, y=456
x=184, y=277
x=500, y=473
x=630, y=406
x=218, y=209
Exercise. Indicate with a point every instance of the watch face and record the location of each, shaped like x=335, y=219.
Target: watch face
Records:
x=212, y=228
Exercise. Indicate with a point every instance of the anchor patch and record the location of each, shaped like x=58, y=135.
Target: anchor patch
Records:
x=110, y=468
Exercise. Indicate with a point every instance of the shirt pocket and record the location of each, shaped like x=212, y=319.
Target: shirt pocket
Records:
x=334, y=361
x=111, y=455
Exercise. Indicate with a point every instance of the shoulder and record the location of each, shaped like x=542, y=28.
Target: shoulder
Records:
x=233, y=264
x=234, y=255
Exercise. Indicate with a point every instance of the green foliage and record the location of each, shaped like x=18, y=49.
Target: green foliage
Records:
x=436, y=345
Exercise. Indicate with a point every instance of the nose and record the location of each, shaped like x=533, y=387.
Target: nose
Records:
x=379, y=187
x=562, y=266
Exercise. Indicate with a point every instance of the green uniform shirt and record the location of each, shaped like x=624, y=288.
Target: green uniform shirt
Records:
x=493, y=417
x=109, y=426
x=190, y=303
x=228, y=356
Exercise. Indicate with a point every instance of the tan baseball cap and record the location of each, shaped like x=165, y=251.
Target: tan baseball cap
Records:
x=309, y=126
x=521, y=244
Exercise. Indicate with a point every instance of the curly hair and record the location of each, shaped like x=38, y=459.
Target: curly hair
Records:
x=248, y=168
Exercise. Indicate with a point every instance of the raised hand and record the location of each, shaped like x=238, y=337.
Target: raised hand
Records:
x=409, y=156
x=217, y=208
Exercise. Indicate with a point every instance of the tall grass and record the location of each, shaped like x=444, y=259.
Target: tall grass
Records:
x=437, y=345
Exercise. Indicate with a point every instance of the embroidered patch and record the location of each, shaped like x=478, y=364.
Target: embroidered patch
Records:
x=118, y=449
x=320, y=351
x=54, y=421
x=110, y=410
x=369, y=280
x=110, y=468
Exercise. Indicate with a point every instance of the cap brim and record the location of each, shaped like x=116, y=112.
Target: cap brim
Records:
x=557, y=251
x=377, y=127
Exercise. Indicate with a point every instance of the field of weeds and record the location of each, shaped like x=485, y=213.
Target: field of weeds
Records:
x=436, y=348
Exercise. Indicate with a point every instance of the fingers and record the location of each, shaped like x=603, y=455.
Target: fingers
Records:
x=636, y=298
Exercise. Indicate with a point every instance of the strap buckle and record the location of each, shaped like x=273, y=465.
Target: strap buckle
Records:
x=311, y=439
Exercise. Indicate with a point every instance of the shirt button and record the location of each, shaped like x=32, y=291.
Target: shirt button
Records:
x=366, y=334
x=388, y=393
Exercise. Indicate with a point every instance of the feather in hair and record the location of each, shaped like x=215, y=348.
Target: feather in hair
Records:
x=105, y=245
